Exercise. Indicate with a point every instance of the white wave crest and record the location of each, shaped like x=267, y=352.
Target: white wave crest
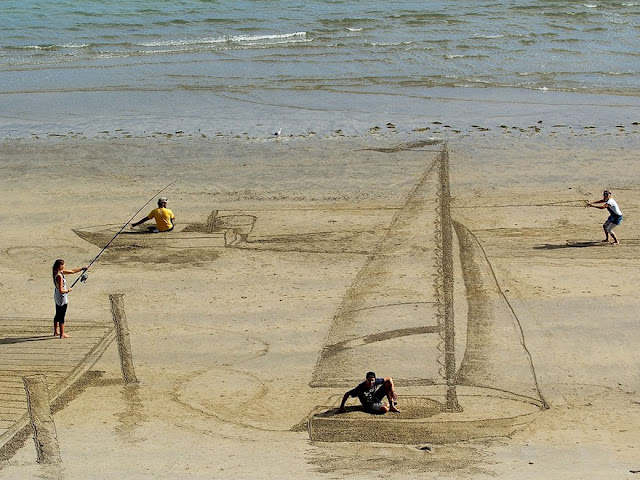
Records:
x=257, y=38
x=220, y=40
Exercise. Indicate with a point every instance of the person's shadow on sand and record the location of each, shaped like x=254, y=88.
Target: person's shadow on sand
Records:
x=568, y=244
x=348, y=409
x=10, y=340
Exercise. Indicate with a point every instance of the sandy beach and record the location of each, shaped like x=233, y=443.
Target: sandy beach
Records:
x=227, y=342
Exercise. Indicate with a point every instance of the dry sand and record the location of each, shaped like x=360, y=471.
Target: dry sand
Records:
x=225, y=340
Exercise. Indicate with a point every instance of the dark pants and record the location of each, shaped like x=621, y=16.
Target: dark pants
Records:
x=61, y=311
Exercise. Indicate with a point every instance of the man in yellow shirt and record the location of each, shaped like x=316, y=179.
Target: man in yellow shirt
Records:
x=165, y=220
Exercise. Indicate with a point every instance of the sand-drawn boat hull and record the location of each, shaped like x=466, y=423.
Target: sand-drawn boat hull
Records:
x=218, y=231
x=420, y=423
x=100, y=235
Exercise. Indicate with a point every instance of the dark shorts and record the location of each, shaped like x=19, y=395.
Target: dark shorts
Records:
x=615, y=219
x=375, y=406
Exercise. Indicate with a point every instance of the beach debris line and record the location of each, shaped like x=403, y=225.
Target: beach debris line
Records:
x=85, y=275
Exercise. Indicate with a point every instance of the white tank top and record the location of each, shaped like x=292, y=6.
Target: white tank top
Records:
x=59, y=297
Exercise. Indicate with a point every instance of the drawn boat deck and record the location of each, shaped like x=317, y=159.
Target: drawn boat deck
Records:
x=28, y=347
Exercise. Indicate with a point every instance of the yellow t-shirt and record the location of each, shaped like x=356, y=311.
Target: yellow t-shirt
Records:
x=163, y=218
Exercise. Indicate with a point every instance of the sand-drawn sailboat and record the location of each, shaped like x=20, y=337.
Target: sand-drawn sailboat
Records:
x=217, y=231
x=456, y=346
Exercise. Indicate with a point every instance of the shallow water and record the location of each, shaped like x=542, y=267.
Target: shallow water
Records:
x=141, y=65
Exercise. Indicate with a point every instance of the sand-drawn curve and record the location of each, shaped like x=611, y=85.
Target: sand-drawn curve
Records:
x=230, y=395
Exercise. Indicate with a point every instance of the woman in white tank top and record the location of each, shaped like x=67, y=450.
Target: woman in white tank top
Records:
x=60, y=293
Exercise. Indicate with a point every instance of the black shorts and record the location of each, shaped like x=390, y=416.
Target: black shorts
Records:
x=374, y=407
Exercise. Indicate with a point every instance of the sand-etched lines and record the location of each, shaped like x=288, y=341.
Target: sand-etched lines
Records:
x=404, y=147
x=101, y=235
x=217, y=387
x=378, y=337
x=348, y=242
x=25, y=351
x=413, y=407
x=334, y=229
x=230, y=395
x=188, y=243
x=361, y=337
x=30, y=253
x=494, y=332
x=393, y=292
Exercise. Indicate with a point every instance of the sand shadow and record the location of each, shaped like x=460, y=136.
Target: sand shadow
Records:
x=568, y=244
x=11, y=340
x=332, y=412
x=133, y=417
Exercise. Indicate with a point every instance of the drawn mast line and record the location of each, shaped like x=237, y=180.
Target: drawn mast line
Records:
x=446, y=233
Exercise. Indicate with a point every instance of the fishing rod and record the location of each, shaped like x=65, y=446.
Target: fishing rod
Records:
x=85, y=275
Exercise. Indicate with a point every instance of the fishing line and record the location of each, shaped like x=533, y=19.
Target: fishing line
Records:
x=84, y=276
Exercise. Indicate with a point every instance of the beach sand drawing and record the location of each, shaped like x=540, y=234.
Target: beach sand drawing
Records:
x=397, y=187
x=459, y=285
x=218, y=230
x=26, y=351
x=426, y=288
x=475, y=375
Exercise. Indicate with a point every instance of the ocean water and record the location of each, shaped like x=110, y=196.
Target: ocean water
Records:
x=251, y=65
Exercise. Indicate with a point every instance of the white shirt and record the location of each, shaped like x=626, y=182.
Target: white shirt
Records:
x=613, y=207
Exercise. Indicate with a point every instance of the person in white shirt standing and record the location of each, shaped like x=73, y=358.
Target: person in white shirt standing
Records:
x=615, y=215
x=60, y=294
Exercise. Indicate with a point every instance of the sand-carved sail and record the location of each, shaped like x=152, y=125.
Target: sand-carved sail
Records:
x=427, y=309
x=495, y=354
x=391, y=307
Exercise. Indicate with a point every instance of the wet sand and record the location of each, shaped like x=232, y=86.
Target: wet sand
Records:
x=226, y=340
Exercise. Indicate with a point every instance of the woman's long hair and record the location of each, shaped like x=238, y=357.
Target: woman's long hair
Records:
x=56, y=267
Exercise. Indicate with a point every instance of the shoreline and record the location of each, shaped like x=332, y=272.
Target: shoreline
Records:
x=439, y=111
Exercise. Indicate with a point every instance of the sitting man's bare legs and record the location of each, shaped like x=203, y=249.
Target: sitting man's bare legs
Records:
x=391, y=394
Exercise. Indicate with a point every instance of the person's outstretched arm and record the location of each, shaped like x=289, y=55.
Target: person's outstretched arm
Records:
x=344, y=401
x=140, y=222
x=599, y=202
x=75, y=270
x=601, y=206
